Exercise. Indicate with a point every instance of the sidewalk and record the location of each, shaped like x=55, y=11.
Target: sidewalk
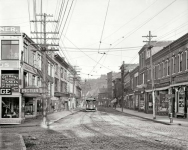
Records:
x=52, y=117
x=159, y=119
x=16, y=142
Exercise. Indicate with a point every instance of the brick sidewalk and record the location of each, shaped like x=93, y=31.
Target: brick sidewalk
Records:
x=160, y=119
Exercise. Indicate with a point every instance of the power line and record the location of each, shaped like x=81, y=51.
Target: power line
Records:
x=130, y=20
x=104, y=25
x=145, y=22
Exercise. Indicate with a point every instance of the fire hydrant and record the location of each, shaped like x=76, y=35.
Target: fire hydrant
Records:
x=171, y=117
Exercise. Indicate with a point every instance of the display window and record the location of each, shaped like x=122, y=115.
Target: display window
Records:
x=10, y=107
x=181, y=101
x=29, y=106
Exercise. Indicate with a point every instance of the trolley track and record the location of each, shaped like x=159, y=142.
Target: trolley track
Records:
x=165, y=144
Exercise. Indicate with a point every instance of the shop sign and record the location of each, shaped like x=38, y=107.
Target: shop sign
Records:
x=10, y=81
x=30, y=90
x=162, y=85
x=10, y=120
x=9, y=29
x=180, y=79
x=167, y=80
x=5, y=91
x=9, y=64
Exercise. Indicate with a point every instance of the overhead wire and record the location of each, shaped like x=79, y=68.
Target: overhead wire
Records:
x=131, y=20
x=133, y=31
x=66, y=19
x=104, y=25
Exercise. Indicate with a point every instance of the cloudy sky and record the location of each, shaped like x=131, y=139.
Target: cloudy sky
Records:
x=98, y=35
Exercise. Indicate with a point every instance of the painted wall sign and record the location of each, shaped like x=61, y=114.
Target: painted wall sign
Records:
x=5, y=91
x=10, y=81
x=9, y=29
x=9, y=64
x=30, y=91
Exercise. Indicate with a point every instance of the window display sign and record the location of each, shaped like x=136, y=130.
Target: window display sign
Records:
x=10, y=81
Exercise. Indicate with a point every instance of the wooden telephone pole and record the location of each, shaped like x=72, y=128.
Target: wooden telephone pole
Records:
x=151, y=64
x=44, y=48
x=122, y=84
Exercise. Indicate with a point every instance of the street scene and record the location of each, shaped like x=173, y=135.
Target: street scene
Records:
x=107, y=129
x=93, y=74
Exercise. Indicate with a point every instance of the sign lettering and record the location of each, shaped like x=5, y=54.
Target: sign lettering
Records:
x=4, y=91
x=10, y=81
x=9, y=29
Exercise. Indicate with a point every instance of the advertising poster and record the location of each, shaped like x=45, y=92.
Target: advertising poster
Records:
x=181, y=101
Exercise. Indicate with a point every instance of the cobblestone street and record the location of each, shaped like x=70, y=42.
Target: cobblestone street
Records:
x=105, y=129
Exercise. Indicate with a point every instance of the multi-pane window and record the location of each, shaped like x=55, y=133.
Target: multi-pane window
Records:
x=62, y=72
x=173, y=64
x=56, y=69
x=168, y=67
x=164, y=69
x=38, y=61
x=180, y=61
x=56, y=84
x=26, y=79
x=33, y=79
x=38, y=81
x=25, y=53
x=186, y=60
x=65, y=74
x=159, y=71
x=9, y=49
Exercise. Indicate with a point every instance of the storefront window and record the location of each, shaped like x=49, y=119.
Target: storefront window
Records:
x=163, y=102
x=29, y=106
x=10, y=107
x=9, y=50
x=181, y=101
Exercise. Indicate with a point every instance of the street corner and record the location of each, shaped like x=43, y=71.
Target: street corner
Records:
x=12, y=141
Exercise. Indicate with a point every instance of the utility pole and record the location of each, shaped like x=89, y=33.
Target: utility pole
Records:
x=122, y=84
x=74, y=78
x=151, y=64
x=44, y=48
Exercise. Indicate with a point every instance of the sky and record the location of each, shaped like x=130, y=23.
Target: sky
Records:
x=98, y=35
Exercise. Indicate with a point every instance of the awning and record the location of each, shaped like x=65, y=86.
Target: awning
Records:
x=114, y=101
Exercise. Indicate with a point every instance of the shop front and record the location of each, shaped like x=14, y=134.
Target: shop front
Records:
x=33, y=101
x=180, y=86
x=11, y=109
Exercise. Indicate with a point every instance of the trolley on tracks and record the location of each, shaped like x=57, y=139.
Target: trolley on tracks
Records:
x=91, y=104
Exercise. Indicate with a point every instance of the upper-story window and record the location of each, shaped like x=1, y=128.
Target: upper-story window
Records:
x=159, y=71
x=65, y=74
x=56, y=69
x=173, y=64
x=9, y=49
x=168, y=67
x=62, y=72
x=186, y=60
x=38, y=61
x=164, y=69
x=33, y=79
x=180, y=56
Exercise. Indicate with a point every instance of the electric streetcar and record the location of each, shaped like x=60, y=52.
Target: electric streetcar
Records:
x=91, y=104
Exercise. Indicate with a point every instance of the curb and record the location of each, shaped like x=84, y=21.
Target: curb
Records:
x=35, y=125
x=166, y=123
x=22, y=142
